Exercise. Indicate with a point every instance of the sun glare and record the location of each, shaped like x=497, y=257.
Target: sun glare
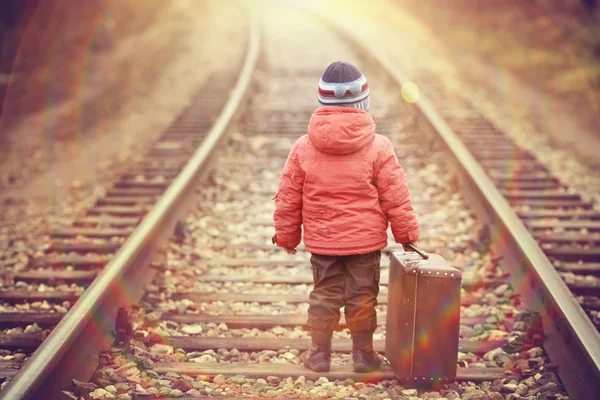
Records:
x=410, y=92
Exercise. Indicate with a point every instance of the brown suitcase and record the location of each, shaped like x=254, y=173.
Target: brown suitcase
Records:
x=423, y=318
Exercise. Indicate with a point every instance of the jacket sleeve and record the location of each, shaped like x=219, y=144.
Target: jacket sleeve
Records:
x=394, y=195
x=288, y=203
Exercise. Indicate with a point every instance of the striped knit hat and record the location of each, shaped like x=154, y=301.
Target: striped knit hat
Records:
x=342, y=84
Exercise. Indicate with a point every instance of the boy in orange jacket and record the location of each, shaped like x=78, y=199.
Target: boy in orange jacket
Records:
x=342, y=181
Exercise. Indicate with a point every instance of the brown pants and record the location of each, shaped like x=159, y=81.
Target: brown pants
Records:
x=351, y=282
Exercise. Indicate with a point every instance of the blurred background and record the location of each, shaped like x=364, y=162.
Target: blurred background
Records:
x=68, y=66
x=52, y=45
x=555, y=44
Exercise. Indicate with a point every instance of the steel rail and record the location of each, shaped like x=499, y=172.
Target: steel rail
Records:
x=90, y=315
x=565, y=322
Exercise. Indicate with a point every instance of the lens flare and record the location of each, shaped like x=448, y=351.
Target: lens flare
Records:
x=410, y=92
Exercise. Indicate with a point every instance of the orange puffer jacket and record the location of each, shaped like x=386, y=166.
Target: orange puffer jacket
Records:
x=344, y=183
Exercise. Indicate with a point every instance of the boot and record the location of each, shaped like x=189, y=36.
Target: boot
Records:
x=318, y=357
x=365, y=359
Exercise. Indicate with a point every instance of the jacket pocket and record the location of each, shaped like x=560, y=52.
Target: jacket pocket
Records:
x=322, y=220
x=320, y=213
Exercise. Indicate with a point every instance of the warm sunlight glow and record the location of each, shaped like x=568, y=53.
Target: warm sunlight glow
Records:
x=410, y=92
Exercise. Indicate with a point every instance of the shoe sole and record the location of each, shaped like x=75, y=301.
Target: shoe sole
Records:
x=319, y=367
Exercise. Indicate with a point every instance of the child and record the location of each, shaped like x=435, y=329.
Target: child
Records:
x=343, y=182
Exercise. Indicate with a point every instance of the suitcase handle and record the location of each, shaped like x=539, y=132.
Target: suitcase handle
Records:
x=411, y=246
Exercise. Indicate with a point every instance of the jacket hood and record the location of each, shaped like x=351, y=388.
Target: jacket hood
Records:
x=341, y=130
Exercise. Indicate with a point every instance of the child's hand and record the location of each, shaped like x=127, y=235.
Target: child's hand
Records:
x=290, y=250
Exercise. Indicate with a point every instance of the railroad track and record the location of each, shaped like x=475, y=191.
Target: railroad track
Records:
x=100, y=249
x=566, y=226
x=223, y=311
